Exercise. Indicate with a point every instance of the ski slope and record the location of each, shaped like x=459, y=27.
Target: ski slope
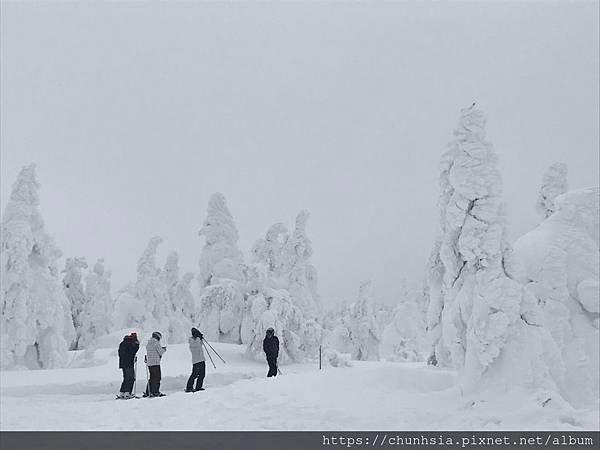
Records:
x=238, y=396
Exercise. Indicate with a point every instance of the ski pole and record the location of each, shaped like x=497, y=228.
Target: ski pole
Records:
x=211, y=360
x=211, y=347
x=147, y=380
x=134, y=375
x=279, y=370
x=214, y=351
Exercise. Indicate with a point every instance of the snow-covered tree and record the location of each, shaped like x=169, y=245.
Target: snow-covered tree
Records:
x=400, y=340
x=221, y=258
x=35, y=320
x=561, y=259
x=484, y=322
x=281, y=271
x=221, y=309
x=179, y=324
x=299, y=338
x=338, y=338
x=554, y=183
x=97, y=312
x=157, y=299
x=255, y=275
x=146, y=304
x=364, y=331
x=286, y=259
x=185, y=299
x=268, y=251
x=170, y=274
x=74, y=290
x=150, y=287
x=301, y=276
x=336, y=335
x=221, y=275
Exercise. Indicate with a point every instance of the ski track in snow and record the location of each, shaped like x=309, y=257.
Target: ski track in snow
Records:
x=367, y=396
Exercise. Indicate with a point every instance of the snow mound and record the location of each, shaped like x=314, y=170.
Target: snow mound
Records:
x=561, y=266
x=334, y=358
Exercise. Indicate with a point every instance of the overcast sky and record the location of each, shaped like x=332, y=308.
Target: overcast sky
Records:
x=136, y=113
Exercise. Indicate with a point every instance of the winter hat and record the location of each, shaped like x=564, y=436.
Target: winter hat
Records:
x=270, y=330
x=196, y=333
x=157, y=335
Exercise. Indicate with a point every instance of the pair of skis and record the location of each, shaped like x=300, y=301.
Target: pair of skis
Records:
x=134, y=384
x=146, y=394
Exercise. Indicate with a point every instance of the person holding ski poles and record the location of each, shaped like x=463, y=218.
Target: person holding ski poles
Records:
x=127, y=350
x=271, y=349
x=154, y=353
x=198, y=363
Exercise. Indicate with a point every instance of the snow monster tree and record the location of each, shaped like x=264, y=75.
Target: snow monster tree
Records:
x=35, y=321
x=482, y=320
x=221, y=275
x=75, y=292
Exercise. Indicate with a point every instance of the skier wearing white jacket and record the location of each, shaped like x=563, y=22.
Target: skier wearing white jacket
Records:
x=198, y=364
x=154, y=353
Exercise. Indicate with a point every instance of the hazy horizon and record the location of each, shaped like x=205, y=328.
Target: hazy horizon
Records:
x=135, y=113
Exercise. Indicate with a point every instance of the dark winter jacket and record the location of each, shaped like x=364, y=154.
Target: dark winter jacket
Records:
x=127, y=350
x=271, y=346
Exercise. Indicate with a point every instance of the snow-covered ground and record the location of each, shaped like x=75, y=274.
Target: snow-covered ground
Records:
x=366, y=396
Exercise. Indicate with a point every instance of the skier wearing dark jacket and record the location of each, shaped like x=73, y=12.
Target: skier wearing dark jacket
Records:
x=271, y=349
x=127, y=350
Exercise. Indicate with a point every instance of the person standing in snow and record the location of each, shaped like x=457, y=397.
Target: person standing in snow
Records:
x=198, y=364
x=127, y=350
x=271, y=349
x=154, y=353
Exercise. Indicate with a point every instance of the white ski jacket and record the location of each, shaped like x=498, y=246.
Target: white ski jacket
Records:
x=196, y=349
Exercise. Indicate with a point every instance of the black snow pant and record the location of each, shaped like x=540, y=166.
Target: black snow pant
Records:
x=198, y=371
x=154, y=382
x=128, y=379
x=272, y=366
